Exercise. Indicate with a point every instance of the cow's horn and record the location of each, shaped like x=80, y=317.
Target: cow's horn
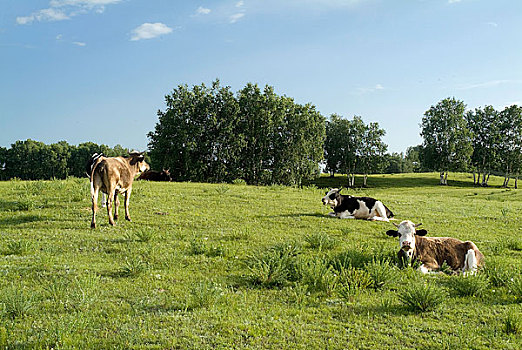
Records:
x=394, y=224
x=340, y=189
x=417, y=225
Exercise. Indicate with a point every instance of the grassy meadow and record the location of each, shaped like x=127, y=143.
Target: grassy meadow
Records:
x=222, y=266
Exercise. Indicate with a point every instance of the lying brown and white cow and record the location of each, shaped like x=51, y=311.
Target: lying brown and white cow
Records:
x=114, y=176
x=432, y=252
x=153, y=175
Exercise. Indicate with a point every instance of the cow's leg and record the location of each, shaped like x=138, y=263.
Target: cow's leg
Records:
x=116, y=205
x=332, y=214
x=110, y=198
x=104, y=200
x=94, y=198
x=428, y=266
x=127, y=199
x=346, y=215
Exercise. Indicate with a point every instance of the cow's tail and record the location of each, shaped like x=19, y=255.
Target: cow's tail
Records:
x=470, y=263
x=389, y=213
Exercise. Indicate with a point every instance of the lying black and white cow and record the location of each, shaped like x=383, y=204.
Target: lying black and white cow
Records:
x=432, y=252
x=349, y=207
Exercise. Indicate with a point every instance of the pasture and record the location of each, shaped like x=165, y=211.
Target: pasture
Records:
x=215, y=266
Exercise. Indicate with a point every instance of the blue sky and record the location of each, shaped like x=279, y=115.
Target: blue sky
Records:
x=98, y=70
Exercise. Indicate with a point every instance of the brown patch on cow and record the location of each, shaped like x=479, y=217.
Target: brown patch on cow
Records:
x=434, y=251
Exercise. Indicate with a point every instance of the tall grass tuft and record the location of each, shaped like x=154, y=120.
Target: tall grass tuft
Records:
x=421, y=297
x=133, y=267
x=512, y=324
x=317, y=275
x=352, y=282
x=380, y=272
x=469, y=285
x=515, y=285
x=19, y=247
x=203, y=294
x=320, y=241
x=275, y=266
x=16, y=302
x=499, y=275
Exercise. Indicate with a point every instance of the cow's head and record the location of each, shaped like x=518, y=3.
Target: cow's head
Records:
x=138, y=159
x=332, y=197
x=406, y=232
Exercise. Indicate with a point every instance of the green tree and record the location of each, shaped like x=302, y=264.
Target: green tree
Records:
x=371, y=151
x=484, y=125
x=510, y=148
x=447, y=140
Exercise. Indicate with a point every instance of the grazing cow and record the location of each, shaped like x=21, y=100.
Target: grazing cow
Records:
x=113, y=176
x=349, y=207
x=88, y=171
x=432, y=252
x=152, y=175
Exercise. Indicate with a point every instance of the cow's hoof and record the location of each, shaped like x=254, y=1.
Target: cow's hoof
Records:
x=93, y=225
x=128, y=218
x=116, y=218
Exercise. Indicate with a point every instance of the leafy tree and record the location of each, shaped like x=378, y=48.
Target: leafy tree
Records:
x=484, y=125
x=447, y=140
x=510, y=149
x=371, y=151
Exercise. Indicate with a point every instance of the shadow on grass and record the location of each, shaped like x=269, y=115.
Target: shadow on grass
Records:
x=20, y=219
x=298, y=215
x=388, y=181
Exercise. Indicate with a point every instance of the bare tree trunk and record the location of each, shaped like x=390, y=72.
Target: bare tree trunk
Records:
x=442, y=178
x=516, y=182
x=365, y=178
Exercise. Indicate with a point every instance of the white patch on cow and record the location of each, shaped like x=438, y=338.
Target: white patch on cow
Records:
x=346, y=215
x=423, y=269
x=470, y=262
x=144, y=167
x=331, y=202
x=406, y=231
x=381, y=211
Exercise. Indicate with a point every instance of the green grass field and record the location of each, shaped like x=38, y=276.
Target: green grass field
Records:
x=221, y=266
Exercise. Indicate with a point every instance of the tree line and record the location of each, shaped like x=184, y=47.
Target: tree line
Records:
x=34, y=160
x=211, y=134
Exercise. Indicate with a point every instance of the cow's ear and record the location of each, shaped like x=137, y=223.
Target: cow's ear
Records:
x=421, y=232
x=392, y=233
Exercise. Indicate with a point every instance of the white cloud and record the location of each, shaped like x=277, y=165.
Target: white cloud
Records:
x=203, y=11
x=488, y=84
x=493, y=24
x=240, y=3
x=453, y=1
x=236, y=17
x=60, y=10
x=149, y=31
x=59, y=37
x=79, y=43
x=365, y=90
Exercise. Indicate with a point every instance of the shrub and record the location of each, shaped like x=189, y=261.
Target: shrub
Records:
x=421, y=297
x=320, y=241
x=469, y=285
x=380, y=272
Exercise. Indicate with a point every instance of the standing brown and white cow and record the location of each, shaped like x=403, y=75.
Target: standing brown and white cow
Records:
x=432, y=252
x=114, y=176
